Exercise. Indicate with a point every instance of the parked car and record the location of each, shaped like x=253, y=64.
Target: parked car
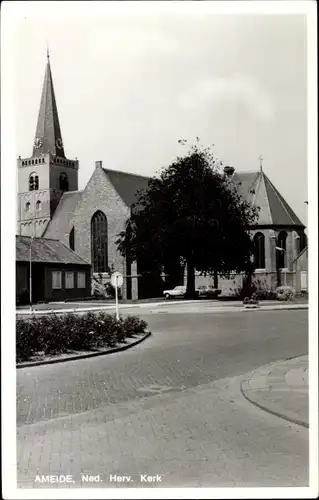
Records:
x=178, y=291
x=208, y=291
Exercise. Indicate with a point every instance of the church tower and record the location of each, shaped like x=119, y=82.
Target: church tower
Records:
x=47, y=174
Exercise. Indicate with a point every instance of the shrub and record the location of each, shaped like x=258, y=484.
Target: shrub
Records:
x=57, y=334
x=110, y=290
x=27, y=342
x=134, y=325
x=285, y=293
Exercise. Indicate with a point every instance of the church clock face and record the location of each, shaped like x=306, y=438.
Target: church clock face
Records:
x=37, y=142
x=59, y=143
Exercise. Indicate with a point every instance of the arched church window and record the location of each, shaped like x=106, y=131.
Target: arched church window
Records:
x=99, y=242
x=281, y=244
x=38, y=205
x=27, y=206
x=71, y=239
x=64, y=182
x=259, y=250
x=33, y=182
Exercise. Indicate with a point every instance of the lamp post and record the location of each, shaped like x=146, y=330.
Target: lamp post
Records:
x=30, y=278
x=30, y=270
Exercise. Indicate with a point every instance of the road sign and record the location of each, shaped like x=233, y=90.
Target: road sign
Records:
x=116, y=279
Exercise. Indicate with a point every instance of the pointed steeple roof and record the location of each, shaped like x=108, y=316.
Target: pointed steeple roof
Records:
x=257, y=188
x=48, y=137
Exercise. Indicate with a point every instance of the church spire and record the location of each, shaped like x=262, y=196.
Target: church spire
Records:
x=48, y=133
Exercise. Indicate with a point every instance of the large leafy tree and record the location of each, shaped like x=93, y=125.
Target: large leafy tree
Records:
x=191, y=213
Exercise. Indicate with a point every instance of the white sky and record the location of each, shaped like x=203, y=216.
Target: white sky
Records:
x=130, y=82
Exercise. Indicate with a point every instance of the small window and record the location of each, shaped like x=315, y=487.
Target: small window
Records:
x=81, y=280
x=27, y=207
x=56, y=280
x=69, y=280
x=38, y=205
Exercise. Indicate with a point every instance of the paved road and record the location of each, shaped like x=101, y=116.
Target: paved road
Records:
x=185, y=350
x=171, y=404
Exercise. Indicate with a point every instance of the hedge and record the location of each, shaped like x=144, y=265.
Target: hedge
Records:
x=70, y=332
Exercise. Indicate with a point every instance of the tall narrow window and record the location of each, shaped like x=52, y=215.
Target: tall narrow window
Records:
x=69, y=279
x=282, y=259
x=56, y=280
x=71, y=239
x=27, y=206
x=33, y=182
x=99, y=242
x=259, y=250
x=64, y=182
x=38, y=205
x=81, y=279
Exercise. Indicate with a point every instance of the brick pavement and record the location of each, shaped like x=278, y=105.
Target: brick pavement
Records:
x=178, y=354
x=204, y=436
x=164, y=407
x=281, y=388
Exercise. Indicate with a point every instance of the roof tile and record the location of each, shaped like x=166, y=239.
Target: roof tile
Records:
x=127, y=185
x=45, y=250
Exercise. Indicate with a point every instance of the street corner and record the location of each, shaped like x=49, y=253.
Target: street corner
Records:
x=281, y=389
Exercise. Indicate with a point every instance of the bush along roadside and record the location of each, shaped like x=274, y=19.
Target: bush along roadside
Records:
x=52, y=335
x=285, y=293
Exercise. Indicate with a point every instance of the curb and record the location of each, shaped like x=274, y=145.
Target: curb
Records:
x=277, y=308
x=102, y=307
x=83, y=356
x=219, y=309
x=244, y=386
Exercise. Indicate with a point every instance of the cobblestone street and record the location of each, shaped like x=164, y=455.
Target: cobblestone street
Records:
x=170, y=406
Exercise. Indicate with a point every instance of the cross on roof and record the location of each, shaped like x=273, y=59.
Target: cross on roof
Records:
x=261, y=162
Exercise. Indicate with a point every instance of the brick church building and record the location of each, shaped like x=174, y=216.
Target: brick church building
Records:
x=88, y=221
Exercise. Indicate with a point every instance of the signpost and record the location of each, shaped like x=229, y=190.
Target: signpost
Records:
x=116, y=282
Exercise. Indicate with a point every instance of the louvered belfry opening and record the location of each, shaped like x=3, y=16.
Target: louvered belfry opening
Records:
x=33, y=182
x=99, y=242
